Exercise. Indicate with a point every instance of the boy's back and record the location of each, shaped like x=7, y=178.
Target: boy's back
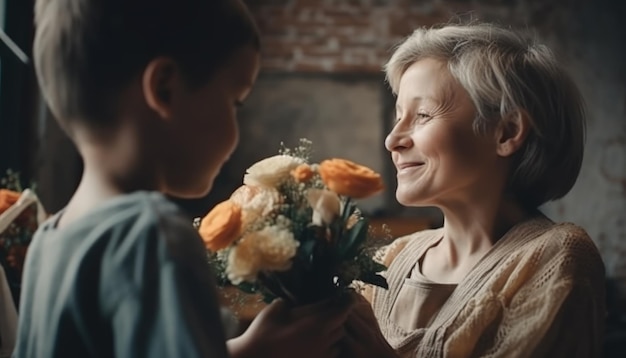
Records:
x=147, y=90
x=129, y=279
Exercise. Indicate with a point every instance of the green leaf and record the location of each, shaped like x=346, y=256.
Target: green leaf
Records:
x=348, y=210
x=349, y=244
x=306, y=249
x=374, y=279
x=377, y=267
x=268, y=298
x=248, y=287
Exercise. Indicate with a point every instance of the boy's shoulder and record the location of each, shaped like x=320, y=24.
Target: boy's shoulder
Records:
x=126, y=231
x=123, y=216
x=137, y=250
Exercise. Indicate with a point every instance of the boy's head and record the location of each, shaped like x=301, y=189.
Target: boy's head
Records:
x=185, y=58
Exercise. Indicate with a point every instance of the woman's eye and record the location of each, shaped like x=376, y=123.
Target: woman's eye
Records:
x=422, y=117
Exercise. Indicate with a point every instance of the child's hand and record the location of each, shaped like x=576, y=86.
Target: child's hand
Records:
x=281, y=331
x=363, y=337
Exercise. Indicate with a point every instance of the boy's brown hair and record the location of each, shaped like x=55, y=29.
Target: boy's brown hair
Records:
x=87, y=51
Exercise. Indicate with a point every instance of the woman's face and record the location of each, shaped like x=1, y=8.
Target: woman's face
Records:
x=439, y=158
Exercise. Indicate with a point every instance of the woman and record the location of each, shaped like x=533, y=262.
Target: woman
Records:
x=488, y=128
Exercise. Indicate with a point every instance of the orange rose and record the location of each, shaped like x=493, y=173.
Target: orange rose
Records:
x=7, y=199
x=347, y=178
x=302, y=173
x=221, y=226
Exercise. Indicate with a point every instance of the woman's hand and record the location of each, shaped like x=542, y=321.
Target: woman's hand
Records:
x=363, y=338
x=281, y=331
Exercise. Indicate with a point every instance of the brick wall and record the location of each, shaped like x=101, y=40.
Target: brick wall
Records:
x=336, y=36
x=357, y=36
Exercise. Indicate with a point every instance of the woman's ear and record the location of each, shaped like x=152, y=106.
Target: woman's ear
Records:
x=511, y=133
x=158, y=84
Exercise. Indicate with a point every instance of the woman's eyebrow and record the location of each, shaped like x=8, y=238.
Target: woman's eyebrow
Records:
x=418, y=99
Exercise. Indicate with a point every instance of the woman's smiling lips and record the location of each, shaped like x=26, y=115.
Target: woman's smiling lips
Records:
x=407, y=166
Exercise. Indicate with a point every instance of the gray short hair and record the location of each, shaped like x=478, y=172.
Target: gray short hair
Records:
x=507, y=73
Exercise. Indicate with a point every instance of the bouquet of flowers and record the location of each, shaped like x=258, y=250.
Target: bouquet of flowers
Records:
x=20, y=215
x=292, y=230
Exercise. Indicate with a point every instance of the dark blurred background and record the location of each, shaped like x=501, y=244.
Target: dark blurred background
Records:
x=322, y=80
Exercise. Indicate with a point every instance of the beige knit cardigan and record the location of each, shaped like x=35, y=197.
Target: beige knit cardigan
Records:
x=539, y=292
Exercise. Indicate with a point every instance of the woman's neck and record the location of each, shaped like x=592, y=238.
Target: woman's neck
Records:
x=473, y=229
x=469, y=232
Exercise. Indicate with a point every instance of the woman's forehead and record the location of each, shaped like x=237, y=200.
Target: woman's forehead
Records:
x=428, y=81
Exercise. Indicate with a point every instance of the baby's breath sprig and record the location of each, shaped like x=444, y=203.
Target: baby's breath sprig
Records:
x=304, y=150
x=11, y=181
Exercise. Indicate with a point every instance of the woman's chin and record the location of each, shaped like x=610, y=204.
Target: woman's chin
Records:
x=405, y=201
x=408, y=198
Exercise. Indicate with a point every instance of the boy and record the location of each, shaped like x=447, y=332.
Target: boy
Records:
x=147, y=90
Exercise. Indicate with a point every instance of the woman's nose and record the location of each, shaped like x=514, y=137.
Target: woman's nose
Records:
x=397, y=140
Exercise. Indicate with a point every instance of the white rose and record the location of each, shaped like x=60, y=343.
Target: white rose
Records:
x=243, y=263
x=255, y=202
x=270, y=172
x=276, y=247
x=325, y=204
x=269, y=249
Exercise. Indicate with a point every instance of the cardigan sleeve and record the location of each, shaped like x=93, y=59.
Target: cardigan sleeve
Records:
x=577, y=330
x=546, y=300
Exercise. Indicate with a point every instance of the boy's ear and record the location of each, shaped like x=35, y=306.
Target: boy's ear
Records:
x=511, y=132
x=158, y=84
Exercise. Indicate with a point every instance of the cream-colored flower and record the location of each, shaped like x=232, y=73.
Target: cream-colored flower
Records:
x=272, y=171
x=325, y=204
x=243, y=262
x=277, y=246
x=269, y=249
x=255, y=202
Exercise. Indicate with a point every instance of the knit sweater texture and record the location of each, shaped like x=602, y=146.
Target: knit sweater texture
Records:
x=539, y=292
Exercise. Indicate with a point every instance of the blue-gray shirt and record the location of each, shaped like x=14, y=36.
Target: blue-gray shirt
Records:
x=129, y=279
